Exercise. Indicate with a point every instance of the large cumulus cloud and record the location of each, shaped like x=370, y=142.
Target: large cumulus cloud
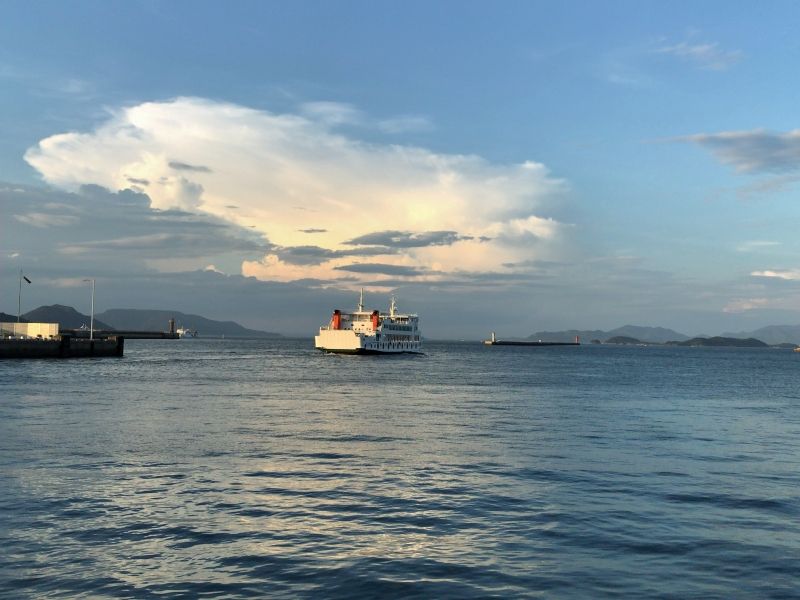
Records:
x=284, y=175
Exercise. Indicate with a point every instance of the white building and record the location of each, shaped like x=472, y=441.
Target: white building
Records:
x=29, y=330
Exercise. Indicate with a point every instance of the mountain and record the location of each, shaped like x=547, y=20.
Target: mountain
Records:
x=652, y=335
x=158, y=320
x=772, y=334
x=722, y=341
x=624, y=340
x=6, y=318
x=66, y=317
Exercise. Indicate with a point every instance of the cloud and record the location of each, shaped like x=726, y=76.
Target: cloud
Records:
x=621, y=67
x=333, y=113
x=169, y=245
x=786, y=274
x=636, y=66
x=756, y=151
x=407, y=239
x=405, y=124
x=336, y=114
x=42, y=83
x=180, y=166
x=756, y=245
x=704, y=55
x=394, y=270
x=291, y=174
x=43, y=220
x=742, y=305
x=118, y=232
x=315, y=255
x=767, y=186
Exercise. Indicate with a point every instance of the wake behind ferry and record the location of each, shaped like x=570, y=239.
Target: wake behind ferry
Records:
x=370, y=332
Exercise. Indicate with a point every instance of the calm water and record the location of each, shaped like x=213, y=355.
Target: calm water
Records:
x=253, y=468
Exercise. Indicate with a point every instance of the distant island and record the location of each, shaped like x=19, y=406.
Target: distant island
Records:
x=698, y=341
x=721, y=341
x=625, y=340
x=776, y=336
x=138, y=320
x=641, y=335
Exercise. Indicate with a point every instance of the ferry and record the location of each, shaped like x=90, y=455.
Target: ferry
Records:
x=185, y=332
x=370, y=332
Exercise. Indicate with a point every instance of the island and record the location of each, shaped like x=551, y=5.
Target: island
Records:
x=625, y=341
x=721, y=342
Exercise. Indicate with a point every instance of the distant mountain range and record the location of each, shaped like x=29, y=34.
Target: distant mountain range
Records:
x=772, y=334
x=7, y=318
x=652, y=335
x=137, y=320
x=66, y=317
x=158, y=320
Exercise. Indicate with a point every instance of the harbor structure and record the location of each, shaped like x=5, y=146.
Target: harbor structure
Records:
x=493, y=341
x=61, y=346
x=29, y=330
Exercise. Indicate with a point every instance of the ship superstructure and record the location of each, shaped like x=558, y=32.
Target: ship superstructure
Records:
x=370, y=332
x=185, y=332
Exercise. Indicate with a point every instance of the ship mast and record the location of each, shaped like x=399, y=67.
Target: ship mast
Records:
x=361, y=301
x=392, y=307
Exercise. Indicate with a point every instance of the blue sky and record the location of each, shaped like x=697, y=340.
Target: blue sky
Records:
x=665, y=171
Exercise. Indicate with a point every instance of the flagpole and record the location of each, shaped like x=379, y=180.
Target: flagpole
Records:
x=19, y=298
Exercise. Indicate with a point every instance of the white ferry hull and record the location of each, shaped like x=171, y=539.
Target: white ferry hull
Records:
x=348, y=342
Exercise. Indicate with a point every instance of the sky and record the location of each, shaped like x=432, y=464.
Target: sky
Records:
x=499, y=166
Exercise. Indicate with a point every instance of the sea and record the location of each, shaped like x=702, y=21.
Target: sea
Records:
x=263, y=468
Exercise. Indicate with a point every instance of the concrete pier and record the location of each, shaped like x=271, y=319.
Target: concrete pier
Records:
x=64, y=346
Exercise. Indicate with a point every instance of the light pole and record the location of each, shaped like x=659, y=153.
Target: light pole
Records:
x=19, y=299
x=91, y=318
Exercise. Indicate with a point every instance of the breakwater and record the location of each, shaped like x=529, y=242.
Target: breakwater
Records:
x=65, y=346
x=126, y=333
x=493, y=341
x=522, y=343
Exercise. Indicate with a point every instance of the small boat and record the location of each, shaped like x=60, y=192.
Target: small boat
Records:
x=370, y=332
x=185, y=332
